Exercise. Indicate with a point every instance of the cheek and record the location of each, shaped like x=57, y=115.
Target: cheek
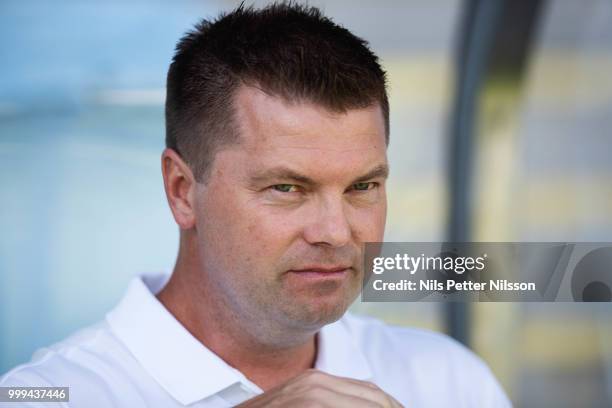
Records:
x=272, y=230
x=221, y=226
x=369, y=223
x=248, y=235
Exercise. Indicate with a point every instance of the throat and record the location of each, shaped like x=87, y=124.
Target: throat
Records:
x=265, y=365
x=274, y=369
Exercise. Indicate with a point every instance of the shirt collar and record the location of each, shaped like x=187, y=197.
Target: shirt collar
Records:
x=338, y=354
x=187, y=369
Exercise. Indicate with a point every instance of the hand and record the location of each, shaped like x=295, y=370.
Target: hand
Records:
x=316, y=389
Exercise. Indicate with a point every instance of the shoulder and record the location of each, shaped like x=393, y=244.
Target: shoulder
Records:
x=52, y=362
x=428, y=360
x=91, y=360
x=376, y=336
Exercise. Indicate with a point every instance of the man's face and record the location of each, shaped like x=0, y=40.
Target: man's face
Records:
x=282, y=218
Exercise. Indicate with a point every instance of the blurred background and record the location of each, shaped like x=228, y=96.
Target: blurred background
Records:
x=500, y=131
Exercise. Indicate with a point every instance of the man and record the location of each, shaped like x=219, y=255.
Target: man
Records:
x=277, y=125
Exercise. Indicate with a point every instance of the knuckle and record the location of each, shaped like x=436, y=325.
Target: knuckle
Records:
x=374, y=386
x=308, y=389
x=313, y=375
x=315, y=389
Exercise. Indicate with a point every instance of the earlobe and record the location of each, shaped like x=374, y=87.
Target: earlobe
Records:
x=179, y=184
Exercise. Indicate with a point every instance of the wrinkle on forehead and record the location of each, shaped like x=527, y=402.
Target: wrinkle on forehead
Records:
x=269, y=120
x=319, y=148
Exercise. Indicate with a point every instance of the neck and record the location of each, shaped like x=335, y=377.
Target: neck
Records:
x=190, y=300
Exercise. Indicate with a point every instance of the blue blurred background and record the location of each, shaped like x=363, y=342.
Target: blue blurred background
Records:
x=82, y=207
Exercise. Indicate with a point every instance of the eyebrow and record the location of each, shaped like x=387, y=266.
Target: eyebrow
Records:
x=285, y=173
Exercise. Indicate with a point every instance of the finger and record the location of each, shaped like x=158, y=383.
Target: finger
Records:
x=332, y=398
x=395, y=403
x=367, y=391
x=357, y=388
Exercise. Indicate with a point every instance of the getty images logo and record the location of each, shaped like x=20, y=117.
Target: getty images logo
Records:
x=549, y=271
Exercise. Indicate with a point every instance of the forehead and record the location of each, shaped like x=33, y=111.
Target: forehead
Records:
x=267, y=122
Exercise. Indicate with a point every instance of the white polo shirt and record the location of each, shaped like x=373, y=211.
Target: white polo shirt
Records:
x=141, y=356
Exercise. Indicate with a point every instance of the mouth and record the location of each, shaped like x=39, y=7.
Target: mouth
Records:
x=322, y=273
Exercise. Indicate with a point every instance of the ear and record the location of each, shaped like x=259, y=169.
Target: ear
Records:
x=180, y=185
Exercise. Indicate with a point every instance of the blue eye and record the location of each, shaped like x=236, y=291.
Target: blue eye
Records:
x=284, y=188
x=364, y=186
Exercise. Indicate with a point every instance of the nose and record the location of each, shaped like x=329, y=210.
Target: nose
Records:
x=329, y=225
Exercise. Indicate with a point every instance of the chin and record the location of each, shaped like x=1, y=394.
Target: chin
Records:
x=318, y=312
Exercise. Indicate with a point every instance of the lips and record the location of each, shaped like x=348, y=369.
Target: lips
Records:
x=321, y=273
x=322, y=269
